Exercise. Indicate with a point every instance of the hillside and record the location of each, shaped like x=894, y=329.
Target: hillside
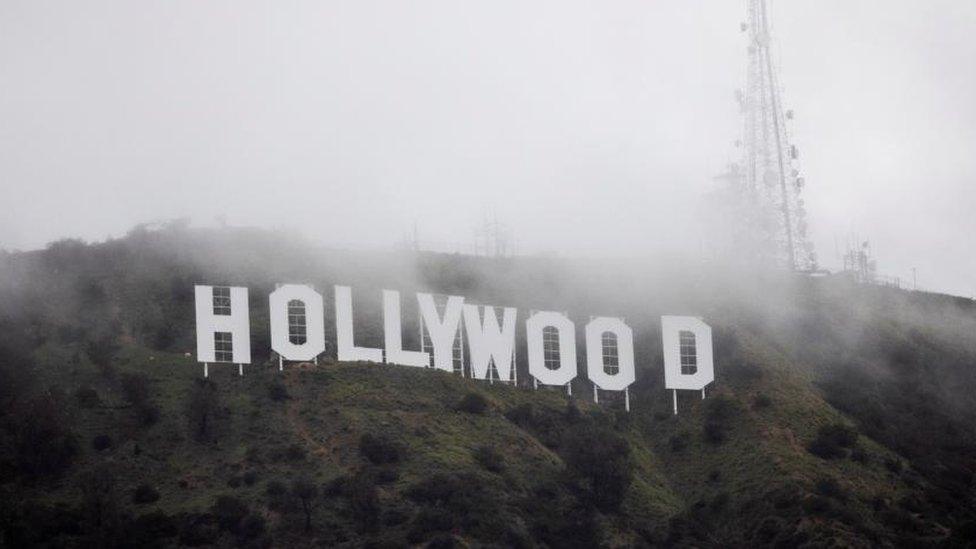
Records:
x=841, y=415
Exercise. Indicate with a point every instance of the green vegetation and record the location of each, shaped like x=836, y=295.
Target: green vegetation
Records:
x=840, y=415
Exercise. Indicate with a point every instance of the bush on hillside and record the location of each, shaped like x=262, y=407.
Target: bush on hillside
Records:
x=379, y=449
x=599, y=463
x=229, y=511
x=250, y=477
x=203, y=405
x=198, y=529
x=43, y=444
x=87, y=397
x=829, y=487
x=305, y=491
x=522, y=415
x=145, y=493
x=572, y=413
x=251, y=527
x=152, y=526
x=99, y=501
x=720, y=412
x=833, y=441
x=137, y=391
x=490, y=458
x=364, y=501
x=101, y=442
x=473, y=403
x=101, y=351
x=277, y=391
x=277, y=494
x=679, y=442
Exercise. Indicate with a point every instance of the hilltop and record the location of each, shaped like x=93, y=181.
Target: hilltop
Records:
x=841, y=414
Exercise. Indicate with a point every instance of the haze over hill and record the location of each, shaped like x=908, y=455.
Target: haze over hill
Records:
x=841, y=414
x=588, y=129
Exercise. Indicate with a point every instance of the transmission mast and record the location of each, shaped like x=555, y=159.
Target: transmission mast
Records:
x=768, y=181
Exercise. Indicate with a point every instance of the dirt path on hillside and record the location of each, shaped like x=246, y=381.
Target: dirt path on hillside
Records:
x=299, y=425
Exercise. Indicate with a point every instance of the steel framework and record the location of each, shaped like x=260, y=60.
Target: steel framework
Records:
x=767, y=178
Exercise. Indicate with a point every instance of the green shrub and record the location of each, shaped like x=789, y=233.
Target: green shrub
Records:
x=277, y=391
x=599, y=461
x=430, y=521
x=679, y=442
x=379, y=449
x=473, y=403
x=250, y=477
x=833, y=441
x=490, y=458
x=294, y=452
x=720, y=412
x=145, y=493
x=199, y=529
x=305, y=491
x=715, y=432
x=101, y=442
x=101, y=352
x=87, y=397
x=277, y=494
x=155, y=525
x=229, y=510
x=464, y=494
x=275, y=488
x=572, y=413
x=364, y=501
x=386, y=475
x=252, y=526
x=768, y=530
x=43, y=443
x=202, y=409
x=444, y=541
x=819, y=506
x=829, y=487
x=894, y=465
x=522, y=415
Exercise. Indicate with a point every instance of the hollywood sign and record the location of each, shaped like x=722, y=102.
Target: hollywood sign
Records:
x=448, y=326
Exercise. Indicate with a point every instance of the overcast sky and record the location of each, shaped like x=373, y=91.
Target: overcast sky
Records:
x=589, y=127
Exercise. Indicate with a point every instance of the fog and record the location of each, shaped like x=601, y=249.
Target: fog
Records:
x=587, y=128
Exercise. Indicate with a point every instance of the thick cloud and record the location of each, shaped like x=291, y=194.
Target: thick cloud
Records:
x=589, y=127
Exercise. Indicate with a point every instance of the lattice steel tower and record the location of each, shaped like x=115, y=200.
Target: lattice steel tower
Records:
x=767, y=179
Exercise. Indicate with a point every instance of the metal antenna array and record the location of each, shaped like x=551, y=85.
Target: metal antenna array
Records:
x=493, y=238
x=767, y=182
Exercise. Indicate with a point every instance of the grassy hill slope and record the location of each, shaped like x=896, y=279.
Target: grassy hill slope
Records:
x=840, y=415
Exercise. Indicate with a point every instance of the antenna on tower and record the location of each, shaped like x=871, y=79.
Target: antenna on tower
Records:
x=767, y=182
x=493, y=237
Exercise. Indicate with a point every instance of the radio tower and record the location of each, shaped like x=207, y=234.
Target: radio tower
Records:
x=767, y=182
